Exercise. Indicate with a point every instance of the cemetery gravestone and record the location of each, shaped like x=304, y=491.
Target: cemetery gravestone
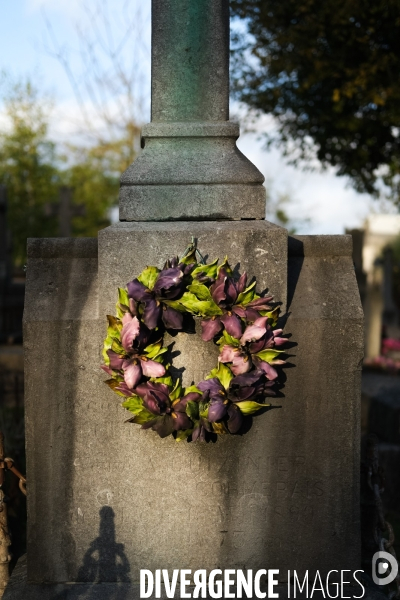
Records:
x=107, y=499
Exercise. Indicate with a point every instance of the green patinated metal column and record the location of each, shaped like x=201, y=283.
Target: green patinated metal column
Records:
x=190, y=168
x=190, y=60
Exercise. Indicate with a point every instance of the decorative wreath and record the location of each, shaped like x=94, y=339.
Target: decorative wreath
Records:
x=233, y=315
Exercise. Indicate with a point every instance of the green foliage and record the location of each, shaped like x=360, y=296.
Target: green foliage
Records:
x=28, y=165
x=200, y=307
x=33, y=169
x=328, y=72
x=223, y=373
x=149, y=276
x=249, y=407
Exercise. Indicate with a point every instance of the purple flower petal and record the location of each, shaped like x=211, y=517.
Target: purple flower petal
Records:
x=213, y=386
x=210, y=328
x=191, y=397
x=116, y=362
x=181, y=421
x=241, y=393
x=155, y=400
x=247, y=379
x=260, y=302
x=217, y=410
x=130, y=331
x=123, y=388
x=167, y=279
x=232, y=324
x=145, y=389
x=181, y=405
x=239, y=311
x=138, y=291
x=163, y=426
x=235, y=418
x=240, y=361
x=255, y=332
x=241, y=284
x=218, y=288
x=196, y=433
x=132, y=375
x=279, y=341
x=107, y=369
x=242, y=364
x=231, y=292
x=172, y=318
x=265, y=342
x=269, y=371
x=133, y=307
x=152, y=313
x=252, y=315
x=227, y=354
x=151, y=368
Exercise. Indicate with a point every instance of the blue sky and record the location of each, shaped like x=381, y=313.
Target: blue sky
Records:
x=24, y=50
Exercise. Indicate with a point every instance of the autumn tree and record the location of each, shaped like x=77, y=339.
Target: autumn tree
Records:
x=328, y=73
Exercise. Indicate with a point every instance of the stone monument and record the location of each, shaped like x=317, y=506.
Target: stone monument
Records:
x=105, y=498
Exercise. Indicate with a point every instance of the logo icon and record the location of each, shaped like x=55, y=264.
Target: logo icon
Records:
x=384, y=568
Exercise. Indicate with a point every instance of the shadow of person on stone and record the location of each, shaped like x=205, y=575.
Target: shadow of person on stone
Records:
x=105, y=562
x=105, y=559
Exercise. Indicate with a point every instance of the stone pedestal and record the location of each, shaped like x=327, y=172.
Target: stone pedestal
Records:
x=107, y=499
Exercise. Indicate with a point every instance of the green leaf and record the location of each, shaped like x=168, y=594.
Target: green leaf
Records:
x=112, y=343
x=225, y=265
x=167, y=379
x=183, y=434
x=249, y=407
x=248, y=295
x=149, y=276
x=272, y=315
x=203, y=409
x=123, y=296
x=143, y=417
x=192, y=410
x=114, y=325
x=134, y=404
x=122, y=309
x=189, y=257
x=176, y=392
x=207, y=270
x=228, y=339
x=190, y=389
x=175, y=304
x=154, y=350
x=201, y=292
x=107, y=346
x=113, y=383
x=269, y=355
x=117, y=347
x=200, y=307
x=219, y=428
x=223, y=373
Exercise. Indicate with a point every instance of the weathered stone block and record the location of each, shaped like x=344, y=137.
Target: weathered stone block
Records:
x=107, y=499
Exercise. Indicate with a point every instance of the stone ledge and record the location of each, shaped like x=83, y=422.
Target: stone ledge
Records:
x=320, y=245
x=195, y=129
x=67, y=248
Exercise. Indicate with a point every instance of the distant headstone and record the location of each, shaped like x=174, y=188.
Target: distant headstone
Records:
x=65, y=210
